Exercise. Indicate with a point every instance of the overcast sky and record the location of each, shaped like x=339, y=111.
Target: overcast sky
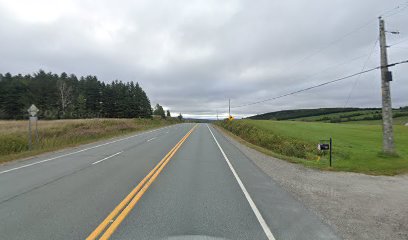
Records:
x=191, y=56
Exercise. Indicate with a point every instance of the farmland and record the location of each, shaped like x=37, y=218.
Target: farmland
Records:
x=356, y=147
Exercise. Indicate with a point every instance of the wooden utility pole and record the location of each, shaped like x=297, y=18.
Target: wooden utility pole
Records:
x=229, y=107
x=386, y=77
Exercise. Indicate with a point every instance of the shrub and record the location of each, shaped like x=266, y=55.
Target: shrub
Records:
x=269, y=140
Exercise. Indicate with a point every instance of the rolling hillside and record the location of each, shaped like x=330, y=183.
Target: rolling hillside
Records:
x=335, y=115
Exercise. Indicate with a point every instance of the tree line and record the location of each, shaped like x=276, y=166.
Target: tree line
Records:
x=159, y=111
x=67, y=96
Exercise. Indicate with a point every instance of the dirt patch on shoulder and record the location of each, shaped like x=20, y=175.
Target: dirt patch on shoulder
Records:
x=357, y=206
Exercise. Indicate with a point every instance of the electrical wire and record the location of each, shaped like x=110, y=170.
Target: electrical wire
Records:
x=364, y=66
x=400, y=8
x=333, y=67
x=402, y=48
x=387, y=13
x=333, y=42
x=321, y=84
x=404, y=40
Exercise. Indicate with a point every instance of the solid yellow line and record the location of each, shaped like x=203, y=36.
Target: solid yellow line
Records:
x=138, y=196
x=129, y=197
x=125, y=201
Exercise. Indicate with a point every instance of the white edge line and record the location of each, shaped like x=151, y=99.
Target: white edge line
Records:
x=258, y=215
x=82, y=150
x=111, y=156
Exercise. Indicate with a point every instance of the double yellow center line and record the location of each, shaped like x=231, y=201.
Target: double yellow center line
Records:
x=115, y=218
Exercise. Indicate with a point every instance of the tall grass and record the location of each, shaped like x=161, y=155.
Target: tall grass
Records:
x=65, y=133
x=280, y=144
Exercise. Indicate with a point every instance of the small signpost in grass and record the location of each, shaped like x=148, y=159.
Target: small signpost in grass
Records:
x=33, y=110
x=326, y=145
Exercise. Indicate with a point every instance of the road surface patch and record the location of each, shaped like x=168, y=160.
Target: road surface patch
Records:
x=114, y=219
x=254, y=208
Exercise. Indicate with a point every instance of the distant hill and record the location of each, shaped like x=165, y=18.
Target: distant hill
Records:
x=334, y=115
x=196, y=120
x=298, y=113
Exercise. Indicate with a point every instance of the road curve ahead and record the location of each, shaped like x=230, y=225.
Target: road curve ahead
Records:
x=185, y=181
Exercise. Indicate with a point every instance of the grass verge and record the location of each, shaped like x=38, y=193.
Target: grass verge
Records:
x=356, y=148
x=59, y=134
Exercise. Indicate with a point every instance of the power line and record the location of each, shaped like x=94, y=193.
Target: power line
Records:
x=390, y=12
x=387, y=13
x=334, y=42
x=398, y=9
x=334, y=66
x=364, y=66
x=394, y=64
x=398, y=42
x=402, y=48
x=322, y=84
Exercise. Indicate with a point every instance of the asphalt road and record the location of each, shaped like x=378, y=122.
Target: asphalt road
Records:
x=207, y=190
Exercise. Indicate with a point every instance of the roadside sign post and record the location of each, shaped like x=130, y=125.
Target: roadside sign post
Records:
x=326, y=145
x=33, y=110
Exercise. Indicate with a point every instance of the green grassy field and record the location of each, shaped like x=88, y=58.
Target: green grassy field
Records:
x=58, y=134
x=356, y=147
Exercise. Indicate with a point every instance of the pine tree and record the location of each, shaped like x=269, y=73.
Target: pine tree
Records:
x=77, y=98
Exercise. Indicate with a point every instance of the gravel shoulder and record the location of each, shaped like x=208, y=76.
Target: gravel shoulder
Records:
x=357, y=206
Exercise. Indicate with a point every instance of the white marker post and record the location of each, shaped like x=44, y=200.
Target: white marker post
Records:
x=33, y=110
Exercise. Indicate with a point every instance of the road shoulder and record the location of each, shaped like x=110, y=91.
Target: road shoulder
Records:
x=357, y=206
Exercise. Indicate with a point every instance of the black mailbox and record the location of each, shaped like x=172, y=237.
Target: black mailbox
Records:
x=326, y=145
x=323, y=146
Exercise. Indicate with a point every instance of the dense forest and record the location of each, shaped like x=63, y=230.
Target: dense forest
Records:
x=67, y=96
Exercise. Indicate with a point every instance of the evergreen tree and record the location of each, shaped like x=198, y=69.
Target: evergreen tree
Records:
x=13, y=95
x=159, y=111
x=66, y=96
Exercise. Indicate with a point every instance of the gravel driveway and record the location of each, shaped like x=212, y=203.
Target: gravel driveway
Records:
x=357, y=206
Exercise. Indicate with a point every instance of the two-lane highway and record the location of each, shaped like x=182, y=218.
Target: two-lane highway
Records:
x=175, y=182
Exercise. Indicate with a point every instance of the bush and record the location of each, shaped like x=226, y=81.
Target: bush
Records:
x=282, y=145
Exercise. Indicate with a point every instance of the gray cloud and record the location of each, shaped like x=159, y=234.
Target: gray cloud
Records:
x=191, y=56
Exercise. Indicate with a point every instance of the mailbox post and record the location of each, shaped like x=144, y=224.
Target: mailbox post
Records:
x=326, y=145
x=330, y=162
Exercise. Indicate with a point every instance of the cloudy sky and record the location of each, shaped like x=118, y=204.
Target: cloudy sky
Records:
x=191, y=56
